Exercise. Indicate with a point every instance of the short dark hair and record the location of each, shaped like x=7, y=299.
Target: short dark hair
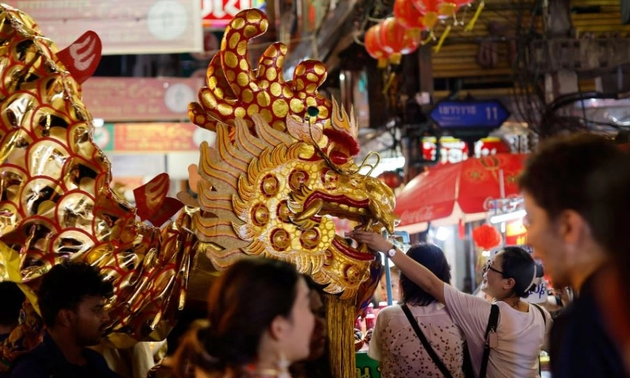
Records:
x=66, y=285
x=11, y=298
x=519, y=265
x=609, y=189
x=557, y=175
x=432, y=257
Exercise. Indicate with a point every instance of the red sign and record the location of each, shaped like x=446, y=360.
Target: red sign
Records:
x=140, y=99
x=219, y=13
x=154, y=137
x=125, y=27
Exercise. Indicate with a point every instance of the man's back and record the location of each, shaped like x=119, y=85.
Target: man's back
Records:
x=46, y=360
x=580, y=345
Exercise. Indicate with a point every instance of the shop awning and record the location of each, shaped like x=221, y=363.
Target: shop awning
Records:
x=465, y=187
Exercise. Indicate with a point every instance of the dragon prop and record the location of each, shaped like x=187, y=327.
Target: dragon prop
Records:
x=55, y=198
x=282, y=167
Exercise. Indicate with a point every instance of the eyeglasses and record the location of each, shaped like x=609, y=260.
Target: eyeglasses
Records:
x=490, y=267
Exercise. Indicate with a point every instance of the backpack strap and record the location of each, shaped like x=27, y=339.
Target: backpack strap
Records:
x=423, y=339
x=493, y=320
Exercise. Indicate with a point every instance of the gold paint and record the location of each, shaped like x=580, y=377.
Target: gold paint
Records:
x=299, y=70
x=253, y=17
x=250, y=31
x=280, y=239
x=323, y=112
x=234, y=39
x=270, y=186
x=241, y=49
x=287, y=92
x=276, y=89
x=279, y=125
x=260, y=215
x=272, y=74
x=230, y=75
x=263, y=84
x=252, y=109
x=280, y=108
x=264, y=24
x=297, y=106
x=312, y=77
x=268, y=62
x=320, y=69
x=212, y=82
x=200, y=120
x=247, y=95
x=237, y=23
x=240, y=112
x=311, y=88
x=263, y=99
x=225, y=109
x=242, y=79
x=266, y=114
x=311, y=102
x=243, y=64
x=299, y=84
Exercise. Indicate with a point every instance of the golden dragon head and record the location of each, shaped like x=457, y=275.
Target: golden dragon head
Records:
x=282, y=167
x=55, y=196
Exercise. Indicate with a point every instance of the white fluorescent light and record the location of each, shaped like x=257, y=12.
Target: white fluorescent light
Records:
x=508, y=217
x=442, y=233
x=98, y=122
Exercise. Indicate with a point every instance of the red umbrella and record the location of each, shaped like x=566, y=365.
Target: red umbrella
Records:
x=470, y=184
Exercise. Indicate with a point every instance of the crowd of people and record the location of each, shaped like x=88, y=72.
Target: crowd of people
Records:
x=265, y=319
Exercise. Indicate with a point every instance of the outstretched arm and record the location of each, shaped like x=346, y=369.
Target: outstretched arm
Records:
x=416, y=272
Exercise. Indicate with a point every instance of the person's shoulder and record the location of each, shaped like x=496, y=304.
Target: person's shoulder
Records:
x=98, y=361
x=30, y=365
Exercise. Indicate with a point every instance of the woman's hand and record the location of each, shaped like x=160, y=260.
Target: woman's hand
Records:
x=374, y=241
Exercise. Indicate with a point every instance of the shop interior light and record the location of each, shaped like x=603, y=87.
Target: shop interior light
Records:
x=442, y=233
x=507, y=217
x=98, y=122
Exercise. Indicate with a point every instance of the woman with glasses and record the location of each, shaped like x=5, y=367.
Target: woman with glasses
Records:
x=521, y=328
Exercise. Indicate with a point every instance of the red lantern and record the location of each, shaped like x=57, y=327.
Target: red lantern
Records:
x=450, y=7
x=391, y=179
x=430, y=10
x=374, y=47
x=396, y=41
x=486, y=237
x=409, y=17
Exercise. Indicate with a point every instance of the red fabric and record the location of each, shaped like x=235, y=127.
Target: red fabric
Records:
x=486, y=237
x=432, y=195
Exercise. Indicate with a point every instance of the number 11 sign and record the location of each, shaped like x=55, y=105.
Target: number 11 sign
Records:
x=469, y=114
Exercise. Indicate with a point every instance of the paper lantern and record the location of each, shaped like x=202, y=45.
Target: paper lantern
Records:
x=396, y=41
x=409, y=17
x=374, y=47
x=486, y=237
x=391, y=179
x=430, y=10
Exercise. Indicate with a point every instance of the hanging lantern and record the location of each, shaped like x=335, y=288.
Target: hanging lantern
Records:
x=449, y=8
x=486, y=237
x=374, y=47
x=391, y=179
x=396, y=41
x=409, y=17
x=430, y=10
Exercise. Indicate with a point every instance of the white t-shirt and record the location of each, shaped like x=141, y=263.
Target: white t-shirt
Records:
x=521, y=335
x=401, y=354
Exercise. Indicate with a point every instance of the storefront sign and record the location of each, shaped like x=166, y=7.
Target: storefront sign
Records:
x=218, y=13
x=141, y=27
x=140, y=99
x=458, y=114
x=453, y=150
x=515, y=233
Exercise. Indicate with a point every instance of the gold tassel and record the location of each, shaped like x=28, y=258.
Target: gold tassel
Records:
x=437, y=47
x=340, y=321
x=471, y=24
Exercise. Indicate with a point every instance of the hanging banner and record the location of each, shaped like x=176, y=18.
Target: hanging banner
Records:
x=125, y=27
x=140, y=99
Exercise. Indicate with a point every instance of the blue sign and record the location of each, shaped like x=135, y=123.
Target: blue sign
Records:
x=456, y=114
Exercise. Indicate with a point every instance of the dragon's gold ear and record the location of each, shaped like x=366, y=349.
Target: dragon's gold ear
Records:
x=309, y=133
x=341, y=121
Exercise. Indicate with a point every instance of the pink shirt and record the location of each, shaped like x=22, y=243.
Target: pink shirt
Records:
x=401, y=354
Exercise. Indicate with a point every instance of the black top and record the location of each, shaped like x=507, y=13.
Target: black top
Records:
x=579, y=342
x=47, y=361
